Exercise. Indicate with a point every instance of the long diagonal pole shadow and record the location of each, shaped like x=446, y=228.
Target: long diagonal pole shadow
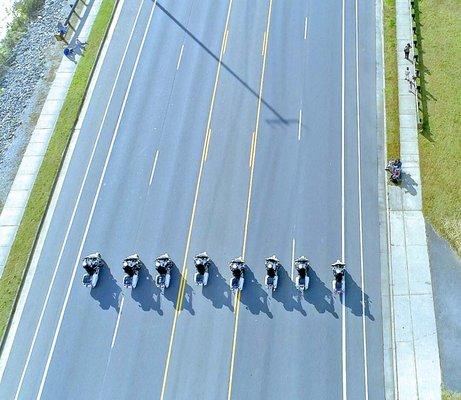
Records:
x=227, y=68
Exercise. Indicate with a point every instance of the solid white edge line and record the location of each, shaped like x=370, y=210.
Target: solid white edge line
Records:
x=117, y=323
x=180, y=57
x=359, y=162
x=264, y=43
x=343, y=238
x=305, y=28
x=153, y=168
x=61, y=316
x=48, y=219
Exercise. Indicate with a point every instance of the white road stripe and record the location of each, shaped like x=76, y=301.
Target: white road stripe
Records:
x=225, y=41
x=61, y=316
x=153, y=168
x=293, y=245
x=343, y=236
x=180, y=57
x=359, y=160
x=300, y=122
x=66, y=236
x=305, y=28
x=117, y=323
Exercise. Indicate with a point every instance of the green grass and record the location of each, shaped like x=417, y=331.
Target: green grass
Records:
x=439, y=48
x=392, y=97
x=447, y=395
x=23, y=246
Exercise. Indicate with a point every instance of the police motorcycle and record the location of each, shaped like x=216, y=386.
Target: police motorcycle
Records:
x=237, y=267
x=272, y=265
x=202, y=262
x=163, y=265
x=131, y=266
x=92, y=264
x=339, y=282
x=302, y=268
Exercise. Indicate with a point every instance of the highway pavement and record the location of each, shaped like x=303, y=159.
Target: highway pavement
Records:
x=237, y=128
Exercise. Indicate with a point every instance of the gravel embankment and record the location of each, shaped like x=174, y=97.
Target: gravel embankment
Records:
x=25, y=87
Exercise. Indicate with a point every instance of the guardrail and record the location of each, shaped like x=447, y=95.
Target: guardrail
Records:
x=63, y=28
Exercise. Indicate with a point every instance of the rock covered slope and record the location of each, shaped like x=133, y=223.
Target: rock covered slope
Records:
x=24, y=87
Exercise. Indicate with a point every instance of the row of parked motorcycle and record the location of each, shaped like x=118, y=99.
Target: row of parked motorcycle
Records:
x=163, y=264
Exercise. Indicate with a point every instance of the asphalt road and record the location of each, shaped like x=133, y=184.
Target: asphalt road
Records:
x=232, y=127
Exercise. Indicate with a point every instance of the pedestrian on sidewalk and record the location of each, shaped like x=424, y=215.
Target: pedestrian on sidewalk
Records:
x=408, y=75
x=69, y=52
x=406, y=50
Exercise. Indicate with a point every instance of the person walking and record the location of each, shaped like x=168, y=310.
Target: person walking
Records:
x=406, y=50
x=408, y=75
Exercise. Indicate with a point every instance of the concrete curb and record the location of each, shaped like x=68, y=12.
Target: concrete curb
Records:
x=23, y=292
x=415, y=333
x=16, y=202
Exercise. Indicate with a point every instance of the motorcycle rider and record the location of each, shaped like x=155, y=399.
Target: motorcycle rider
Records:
x=302, y=265
x=201, y=262
x=131, y=265
x=236, y=267
x=162, y=263
x=91, y=263
x=272, y=264
x=339, y=268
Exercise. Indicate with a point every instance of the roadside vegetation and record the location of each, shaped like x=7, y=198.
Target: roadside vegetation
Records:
x=392, y=96
x=18, y=261
x=438, y=30
x=447, y=395
x=23, y=11
x=438, y=34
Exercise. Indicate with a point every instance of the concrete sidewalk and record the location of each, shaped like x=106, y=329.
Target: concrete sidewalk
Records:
x=415, y=335
x=18, y=196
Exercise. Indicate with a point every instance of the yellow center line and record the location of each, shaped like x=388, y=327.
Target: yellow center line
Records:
x=247, y=218
x=184, y=281
x=252, y=150
x=207, y=143
x=234, y=340
x=182, y=285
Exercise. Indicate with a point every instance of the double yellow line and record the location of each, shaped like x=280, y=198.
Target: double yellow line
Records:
x=250, y=188
x=182, y=284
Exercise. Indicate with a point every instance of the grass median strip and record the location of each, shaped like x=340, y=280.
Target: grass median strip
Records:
x=391, y=78
x=23, y=246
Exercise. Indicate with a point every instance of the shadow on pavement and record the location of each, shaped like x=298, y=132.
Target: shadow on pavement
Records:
x=408, y=184
x=107, y=292
x=279, y=118
x=217, y=290
x=171, y=294
x=187, y=302
x=319, y=295
x=354, y=299
x=146, y=293
x=253, y=296
x=286, y=292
